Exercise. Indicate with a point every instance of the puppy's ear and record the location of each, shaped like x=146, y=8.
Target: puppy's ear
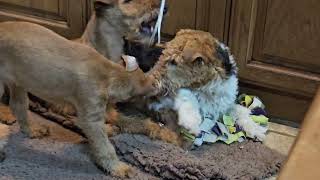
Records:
x=198, y=59
x=103, y=4
x=131, y=63
x=190, y=55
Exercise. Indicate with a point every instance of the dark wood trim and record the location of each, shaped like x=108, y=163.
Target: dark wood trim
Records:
x=68, y=22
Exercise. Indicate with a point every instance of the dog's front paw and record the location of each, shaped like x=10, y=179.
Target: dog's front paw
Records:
x=37, y=132
x=6, y=117
x=162, y=133
x=122, y=170
x=112, y=130
x=170, y=136
x=115, y=168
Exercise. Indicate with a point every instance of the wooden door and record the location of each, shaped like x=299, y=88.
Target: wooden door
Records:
x=66, y=17
x=277, y=44
x=207, y=15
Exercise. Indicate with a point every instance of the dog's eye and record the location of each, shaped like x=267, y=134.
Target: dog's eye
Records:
x=173, y=63
x=199, y=61
x=126, y=1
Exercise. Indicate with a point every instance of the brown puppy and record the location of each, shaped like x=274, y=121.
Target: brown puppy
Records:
x=36, y=60
x=113, y=20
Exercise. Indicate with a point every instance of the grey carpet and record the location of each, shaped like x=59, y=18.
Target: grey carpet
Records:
x=64, y=155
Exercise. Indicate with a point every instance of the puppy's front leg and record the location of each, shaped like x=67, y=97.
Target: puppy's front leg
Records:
x=92, y=123
x=19, y=106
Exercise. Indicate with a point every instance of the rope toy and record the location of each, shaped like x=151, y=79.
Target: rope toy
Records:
x=157, y=28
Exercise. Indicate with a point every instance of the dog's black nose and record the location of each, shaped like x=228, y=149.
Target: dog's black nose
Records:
x=166, y=8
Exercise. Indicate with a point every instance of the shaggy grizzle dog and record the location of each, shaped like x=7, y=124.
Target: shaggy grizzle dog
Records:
x=197, y=85
x=194, y=60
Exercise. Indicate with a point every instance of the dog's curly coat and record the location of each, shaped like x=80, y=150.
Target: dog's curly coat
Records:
x=194, y=60
x=205, y=68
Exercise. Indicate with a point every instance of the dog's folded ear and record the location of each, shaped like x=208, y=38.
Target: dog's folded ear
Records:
x=130, y=63
x=100, y=5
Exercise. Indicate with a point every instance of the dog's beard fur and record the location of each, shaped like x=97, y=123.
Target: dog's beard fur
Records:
x=193, y=60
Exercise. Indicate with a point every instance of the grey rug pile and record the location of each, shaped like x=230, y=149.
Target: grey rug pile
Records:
x=64, y=155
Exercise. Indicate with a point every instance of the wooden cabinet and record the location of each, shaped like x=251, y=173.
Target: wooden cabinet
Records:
x=182, y=14
x=207, y=15
x=67, y=17
x=277, y=44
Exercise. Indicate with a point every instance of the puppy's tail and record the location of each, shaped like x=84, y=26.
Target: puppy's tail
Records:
x=241, y=115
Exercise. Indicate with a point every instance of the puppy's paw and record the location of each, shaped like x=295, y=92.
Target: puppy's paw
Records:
x=112, y=130
x=122, y=170
x=162, y=133
x=6, y=117
x=170, y=136
x=38, y=132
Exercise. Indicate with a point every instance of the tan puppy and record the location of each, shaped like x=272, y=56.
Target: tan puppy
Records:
x=112, y=20
x=36, y=60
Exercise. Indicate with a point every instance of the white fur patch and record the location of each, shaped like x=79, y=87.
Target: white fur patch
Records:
x=165, y=103
x=210, y=101
x=187, y=107
x=217, y=97
x=242, y=117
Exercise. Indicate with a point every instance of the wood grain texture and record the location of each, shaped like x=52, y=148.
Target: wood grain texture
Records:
x=66, y=17
x=290, y=34
x=252, y=32
x=303, y=162
x=182, y=15
x=217, y=18
x=206, y=15
x=213, y=16
x=45, y=5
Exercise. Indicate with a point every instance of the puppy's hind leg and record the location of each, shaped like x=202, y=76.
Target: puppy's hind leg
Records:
x=92, y=123
x=19, y=106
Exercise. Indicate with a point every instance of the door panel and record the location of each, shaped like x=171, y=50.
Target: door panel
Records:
x=207, y=15
x=290, y=37
x=277, y=47
x=48, y=5
x=66, y=17
x=182, y=14
x=213, y=16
